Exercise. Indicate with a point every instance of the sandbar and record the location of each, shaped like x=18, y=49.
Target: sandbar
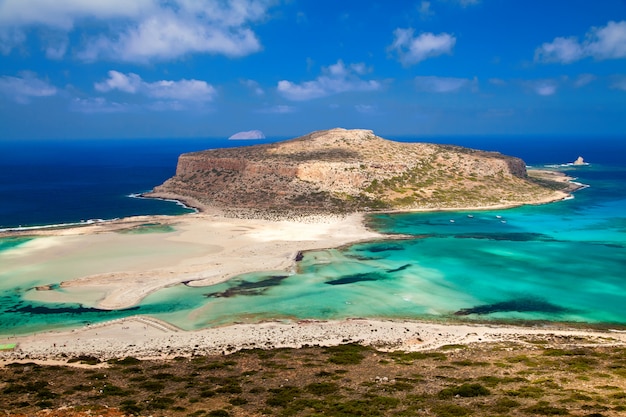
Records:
x=106, y=267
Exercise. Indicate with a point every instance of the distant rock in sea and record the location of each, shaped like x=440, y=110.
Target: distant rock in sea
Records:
x=579, y=161
x=250, y=134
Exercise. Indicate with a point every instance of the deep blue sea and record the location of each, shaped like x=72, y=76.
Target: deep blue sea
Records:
x=56, y=182
x=563, y=261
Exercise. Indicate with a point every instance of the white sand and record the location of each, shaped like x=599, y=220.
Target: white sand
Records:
x=145, y=338
x=99, y=266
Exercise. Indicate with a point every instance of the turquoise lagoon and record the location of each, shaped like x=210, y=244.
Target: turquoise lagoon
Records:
x=563, y=262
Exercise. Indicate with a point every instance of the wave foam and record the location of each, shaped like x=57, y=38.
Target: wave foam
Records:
x=171, y=200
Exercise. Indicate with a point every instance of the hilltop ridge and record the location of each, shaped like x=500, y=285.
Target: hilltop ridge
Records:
x=341, y=170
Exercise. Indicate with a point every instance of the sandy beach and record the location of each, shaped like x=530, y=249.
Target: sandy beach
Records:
x=147, y=338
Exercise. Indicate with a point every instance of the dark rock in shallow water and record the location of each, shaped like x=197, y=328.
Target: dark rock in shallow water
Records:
x=299, y=256
x=250, y=288
x=522, y=305
x=351, y=279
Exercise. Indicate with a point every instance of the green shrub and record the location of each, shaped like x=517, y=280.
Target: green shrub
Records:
x=128, y=360
x=350, y=354
x=465, y=390
x=281, y=397
x=450, y=410
x=545, y=409
x=322, y=388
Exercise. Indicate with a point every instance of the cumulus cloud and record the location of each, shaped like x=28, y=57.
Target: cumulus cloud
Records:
x=25, y=87
x=607, y=42
x=414, y=49
x=546, y=87
x=443, y=84
x=183, y=90
x=254, y=87
x=335, y=79
x=144, y=30
x=424, y=10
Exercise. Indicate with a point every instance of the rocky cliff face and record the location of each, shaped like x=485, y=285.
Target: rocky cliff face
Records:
x=347, y=170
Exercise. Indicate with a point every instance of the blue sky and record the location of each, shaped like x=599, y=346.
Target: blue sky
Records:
x=192, y=68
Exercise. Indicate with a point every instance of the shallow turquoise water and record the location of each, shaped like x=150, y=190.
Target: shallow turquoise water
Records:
x=564, y=261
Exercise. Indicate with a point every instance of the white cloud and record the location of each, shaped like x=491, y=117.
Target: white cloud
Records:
x=607, y=42
x=412, y=50
x=443, y=84
x=63, y=14
x=254, y=87
x=98, y=105
x=619, y=83
x=584, y=79
x=424, y=10
x=564, y=50
x=10, y=38
x=143, y=30
x=335, y=79
x=25, y=87
x=117, y=81
x=183, y=90
x=546, y=87
x=56, y=48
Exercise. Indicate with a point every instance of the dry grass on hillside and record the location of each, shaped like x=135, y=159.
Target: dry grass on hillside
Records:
x=540, y=376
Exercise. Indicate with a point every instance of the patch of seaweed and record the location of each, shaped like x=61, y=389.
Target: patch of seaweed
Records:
x=382, y=247
x=398, y=269
x=521, y=305
x=248, y=288
x=352, y=279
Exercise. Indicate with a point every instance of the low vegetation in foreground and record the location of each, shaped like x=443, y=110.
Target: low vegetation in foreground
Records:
x=545, y=376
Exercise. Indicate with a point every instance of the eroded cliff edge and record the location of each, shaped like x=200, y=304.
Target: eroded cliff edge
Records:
x=342, y=170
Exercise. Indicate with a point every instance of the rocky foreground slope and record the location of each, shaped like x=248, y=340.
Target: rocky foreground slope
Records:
x=342, y=170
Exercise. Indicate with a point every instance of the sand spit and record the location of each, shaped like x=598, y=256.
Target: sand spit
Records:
x=147, y=338
x=117, y=270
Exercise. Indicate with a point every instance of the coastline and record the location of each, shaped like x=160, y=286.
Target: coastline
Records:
x=209, y=247
x=148, y=338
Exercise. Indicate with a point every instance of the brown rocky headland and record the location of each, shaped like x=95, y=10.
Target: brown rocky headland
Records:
x=341, y=171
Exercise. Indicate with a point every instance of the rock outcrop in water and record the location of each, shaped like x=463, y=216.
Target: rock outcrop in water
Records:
x=342, y=170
